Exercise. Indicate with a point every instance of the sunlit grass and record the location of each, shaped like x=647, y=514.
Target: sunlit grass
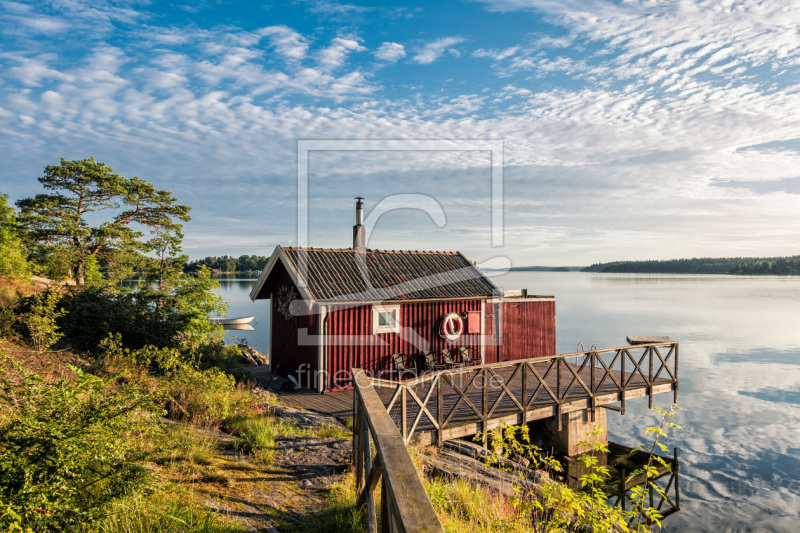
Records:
x=258, y=435
x=163, y=512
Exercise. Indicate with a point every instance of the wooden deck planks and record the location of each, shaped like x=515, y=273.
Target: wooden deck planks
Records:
x=338, y=404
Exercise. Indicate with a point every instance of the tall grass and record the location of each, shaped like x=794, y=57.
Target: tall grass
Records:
x=163, y=513
x=258, y=434
x=183, y=444
x=467, y=507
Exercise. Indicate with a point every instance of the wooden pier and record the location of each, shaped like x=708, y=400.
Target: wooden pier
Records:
x=449, y=404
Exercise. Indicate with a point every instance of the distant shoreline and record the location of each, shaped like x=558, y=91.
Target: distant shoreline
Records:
x=743, y=266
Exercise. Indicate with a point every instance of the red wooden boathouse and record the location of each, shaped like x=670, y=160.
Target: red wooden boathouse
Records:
x=335, y=309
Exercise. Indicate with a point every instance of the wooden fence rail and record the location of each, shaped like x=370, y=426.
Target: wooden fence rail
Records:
x=405, y=506
x=454, y=403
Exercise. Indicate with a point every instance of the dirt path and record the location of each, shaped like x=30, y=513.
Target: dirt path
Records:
x=279, y=496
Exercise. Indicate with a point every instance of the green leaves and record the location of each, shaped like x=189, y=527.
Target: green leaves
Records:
x=64, y=447
x=13, y=263
x=39, y=316
x=641, y=516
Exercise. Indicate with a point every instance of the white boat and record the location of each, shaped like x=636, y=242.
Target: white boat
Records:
x=231, y=321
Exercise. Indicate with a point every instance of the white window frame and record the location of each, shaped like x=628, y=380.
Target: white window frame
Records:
x=378, y=328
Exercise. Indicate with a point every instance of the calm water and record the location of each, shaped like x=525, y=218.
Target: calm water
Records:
x=739, y=371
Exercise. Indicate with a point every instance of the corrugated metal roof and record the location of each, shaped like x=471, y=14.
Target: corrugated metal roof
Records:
x=343, y=275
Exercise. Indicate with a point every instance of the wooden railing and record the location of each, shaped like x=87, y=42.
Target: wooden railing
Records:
x=404, y=503
x=516, y=392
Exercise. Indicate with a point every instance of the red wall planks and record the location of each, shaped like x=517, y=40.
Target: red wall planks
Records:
x=350, y=342
x=528, y=330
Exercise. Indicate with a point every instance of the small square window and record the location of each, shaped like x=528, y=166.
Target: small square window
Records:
x=385, y=319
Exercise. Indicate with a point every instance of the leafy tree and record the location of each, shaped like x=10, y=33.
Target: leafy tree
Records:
x=13, y=263
x=58, y=224
x=174, y=316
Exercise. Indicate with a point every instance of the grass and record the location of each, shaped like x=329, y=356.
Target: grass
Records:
x=330, y=431
x=163, y=512
x=258, y=434
x=466, y=507
x=182, y=444
x=12, y=289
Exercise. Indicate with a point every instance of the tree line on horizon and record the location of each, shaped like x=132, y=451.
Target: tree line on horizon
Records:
x=704, y=265
x=243, y=263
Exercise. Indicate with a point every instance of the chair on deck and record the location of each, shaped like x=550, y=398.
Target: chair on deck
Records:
x=448, y=360
x=467, y=358
x=431, y=363
x=401, y=367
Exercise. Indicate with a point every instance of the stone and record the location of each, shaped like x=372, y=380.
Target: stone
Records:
x=251, y=356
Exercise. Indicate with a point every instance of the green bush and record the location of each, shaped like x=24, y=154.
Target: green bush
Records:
x=94, y=312
x=204, y=396
x=66, y=448
x=8, y=322
x=38, y=315
x=217, y=354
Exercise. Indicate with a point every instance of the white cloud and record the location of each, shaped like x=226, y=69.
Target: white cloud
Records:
x=286, y=41
x=390, y=52
x=667, y=43
x=496, y=55
x=434, y=50
x=334, y=55
x=331, y=8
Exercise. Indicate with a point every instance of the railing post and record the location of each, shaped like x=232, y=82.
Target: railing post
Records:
x=558, y=379
x=650, y=379
x=372, y=524
x=404, y=413
x=386, y=515
x=675, y=386
x=591, y=385
x=675, y=473
x=622, y=381
x=439, y=411
x=524, y=401
x=485, y=406
x=357, y=456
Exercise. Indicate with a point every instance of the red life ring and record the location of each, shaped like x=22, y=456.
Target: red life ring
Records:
x=451, y=327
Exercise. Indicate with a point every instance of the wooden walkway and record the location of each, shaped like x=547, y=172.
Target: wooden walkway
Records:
x=454, y=403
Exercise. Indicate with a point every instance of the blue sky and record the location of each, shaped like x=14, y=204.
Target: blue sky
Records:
x=630, y=130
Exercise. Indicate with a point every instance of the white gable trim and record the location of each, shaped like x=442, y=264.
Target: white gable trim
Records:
x=279, y=256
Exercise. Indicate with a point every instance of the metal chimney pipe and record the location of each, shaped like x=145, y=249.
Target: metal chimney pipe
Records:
x=359, y=211
x=359, y=231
